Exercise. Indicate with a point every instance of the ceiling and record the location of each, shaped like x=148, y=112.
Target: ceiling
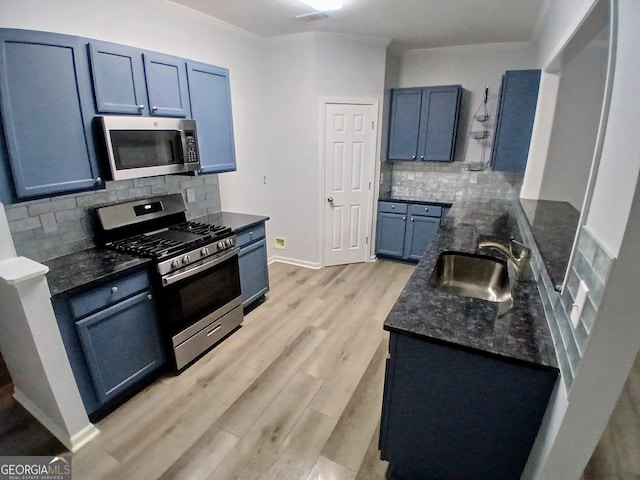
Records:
x=410, y=24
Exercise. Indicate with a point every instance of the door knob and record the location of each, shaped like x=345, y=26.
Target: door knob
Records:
x=330, y=199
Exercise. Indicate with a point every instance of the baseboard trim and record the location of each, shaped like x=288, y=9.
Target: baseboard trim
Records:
x=72, y=442
x=296, y=262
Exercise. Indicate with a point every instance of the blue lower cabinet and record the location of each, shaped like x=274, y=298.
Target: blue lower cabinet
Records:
x=391, y=236
x=121, y=344
x=467, y=415
x=420, y=232
x=254, y=273
x=112, y=338
x=404, y=230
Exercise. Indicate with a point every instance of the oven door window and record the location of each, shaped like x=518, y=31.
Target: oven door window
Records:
x=145, y=148
x=191, y=299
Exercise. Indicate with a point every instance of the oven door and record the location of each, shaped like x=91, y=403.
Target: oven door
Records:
x=192, y=298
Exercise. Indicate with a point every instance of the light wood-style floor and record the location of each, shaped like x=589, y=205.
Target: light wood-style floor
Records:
x=294, y=394
x=617, y=455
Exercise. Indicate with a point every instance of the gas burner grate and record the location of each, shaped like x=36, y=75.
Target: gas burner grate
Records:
x=148, y=246
x=215, y=231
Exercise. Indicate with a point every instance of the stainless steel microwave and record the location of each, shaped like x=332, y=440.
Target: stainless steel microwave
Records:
x=147, y=146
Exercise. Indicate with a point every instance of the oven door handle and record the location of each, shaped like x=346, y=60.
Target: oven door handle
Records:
x=169, y=279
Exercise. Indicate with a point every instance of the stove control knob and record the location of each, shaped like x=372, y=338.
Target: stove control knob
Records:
x=220, y=245
x=175, y=263
x=186, y=259
x=204, y=252
x=228, y=242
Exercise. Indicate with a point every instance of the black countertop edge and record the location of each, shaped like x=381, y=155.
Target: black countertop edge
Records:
x=521, y=333
x=389, y=198
x=82, y=270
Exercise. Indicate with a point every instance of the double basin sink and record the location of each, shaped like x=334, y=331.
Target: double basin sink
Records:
x=472, y=275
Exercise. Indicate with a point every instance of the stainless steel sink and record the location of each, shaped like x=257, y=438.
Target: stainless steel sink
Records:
x=472, y=275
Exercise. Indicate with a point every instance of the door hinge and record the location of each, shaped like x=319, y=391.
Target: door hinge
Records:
x=373, y=125
x=369, y=185
x=366, y=240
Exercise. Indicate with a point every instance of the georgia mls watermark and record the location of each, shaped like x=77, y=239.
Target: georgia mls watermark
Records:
x=35, y=468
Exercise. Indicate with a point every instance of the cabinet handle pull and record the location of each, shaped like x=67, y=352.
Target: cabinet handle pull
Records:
x=154, y=108
x=426, y=209
x=404, y=218
x=140, y=107
x=421, y=157
x=150, y=297
x=330, y=199
x=98, y=180
x=393, y=207
x=114, y=289
x=413, y=158
x=412, y=219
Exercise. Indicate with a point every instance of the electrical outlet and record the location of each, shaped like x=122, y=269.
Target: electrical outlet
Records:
x=280, y=243
x=578, y=305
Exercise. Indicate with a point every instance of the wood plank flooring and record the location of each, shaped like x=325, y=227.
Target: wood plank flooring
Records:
x=617, y=455
x=294, y=394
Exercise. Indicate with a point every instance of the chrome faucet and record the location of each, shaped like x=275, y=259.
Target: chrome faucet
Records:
x=521, y=263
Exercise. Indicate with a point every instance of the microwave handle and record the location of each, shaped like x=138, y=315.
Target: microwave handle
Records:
x=183, y=142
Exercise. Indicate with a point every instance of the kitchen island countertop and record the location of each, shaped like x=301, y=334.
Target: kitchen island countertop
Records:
x=521, y=333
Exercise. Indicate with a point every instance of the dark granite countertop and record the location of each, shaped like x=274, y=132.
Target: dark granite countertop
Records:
x=519, y=333
x=553, y=225
x=81, y=270
x=389, y=198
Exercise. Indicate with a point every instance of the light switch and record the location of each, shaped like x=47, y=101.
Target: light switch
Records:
x=578, y=305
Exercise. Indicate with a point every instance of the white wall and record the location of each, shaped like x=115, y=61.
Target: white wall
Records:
x=304, y=69
x=474, y=67
x=575, y=126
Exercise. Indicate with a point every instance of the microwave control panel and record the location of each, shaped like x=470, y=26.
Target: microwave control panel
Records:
x=191, y=148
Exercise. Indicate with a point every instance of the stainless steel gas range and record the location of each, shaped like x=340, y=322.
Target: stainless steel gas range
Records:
x=196, y=277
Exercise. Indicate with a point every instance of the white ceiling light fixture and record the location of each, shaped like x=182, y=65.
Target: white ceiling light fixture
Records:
x=324, y=5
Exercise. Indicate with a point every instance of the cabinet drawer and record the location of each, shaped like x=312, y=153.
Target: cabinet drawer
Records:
x=426, y=210
x=249, y=235
x=392, y=207
x=105, y=295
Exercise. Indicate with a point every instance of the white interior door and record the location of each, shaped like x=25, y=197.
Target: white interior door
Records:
x=349, y=163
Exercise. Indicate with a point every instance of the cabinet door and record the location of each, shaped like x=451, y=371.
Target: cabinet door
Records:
x=166, y=79
x=210, y=97
x=390, y=238
x=47, y=112
x=121, y=344
x=515, y=117
x=254, y=276
x=118, y=78
x=439, y=123
x=404, y=124
x=420, y=232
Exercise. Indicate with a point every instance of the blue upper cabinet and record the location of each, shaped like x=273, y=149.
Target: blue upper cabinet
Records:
x=166, y=85
x=47, y=112
x=118, y=79
x=424, y=123
x=405, y=123
x=210, y=96
x=514, y=119
x=128, y=81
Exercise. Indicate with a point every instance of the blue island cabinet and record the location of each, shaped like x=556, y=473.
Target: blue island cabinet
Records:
x=128, y=80
x=449, y=412
x=112, y=338
x=254, y=274
x=47, y=109
x=424, y=123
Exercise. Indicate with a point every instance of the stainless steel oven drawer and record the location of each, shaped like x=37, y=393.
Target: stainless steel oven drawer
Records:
x=205, y=338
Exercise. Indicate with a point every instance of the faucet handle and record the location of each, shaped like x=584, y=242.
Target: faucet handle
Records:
x=524, y=250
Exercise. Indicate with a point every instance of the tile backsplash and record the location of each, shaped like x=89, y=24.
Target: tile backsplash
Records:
x=590, y=264
x=450, y=182
x=51, y=227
